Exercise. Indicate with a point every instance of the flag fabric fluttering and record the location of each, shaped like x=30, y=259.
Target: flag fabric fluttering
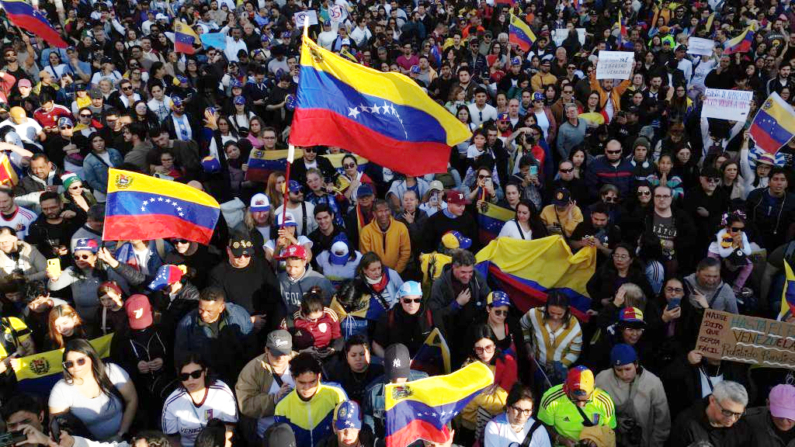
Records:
x=421, y=409
x=213, y=40
x=788, y=294
x=385, y=117
x=143, y=207
x=8, y=176
x=622, y=31
x=773, y=125
x=433, y=357
x=527, y=270
x=520, y=34
x=184, y=38
x=491, y=219
x=741, y=43
x=26, y=17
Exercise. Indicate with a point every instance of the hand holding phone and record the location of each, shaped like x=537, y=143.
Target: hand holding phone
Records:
x=674, y=303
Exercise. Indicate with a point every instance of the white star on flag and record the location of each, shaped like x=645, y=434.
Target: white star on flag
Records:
x=375, y=109
x=354, y=112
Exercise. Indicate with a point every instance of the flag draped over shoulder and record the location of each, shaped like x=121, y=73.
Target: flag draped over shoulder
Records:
x=24, y=16
x=526, y=270
x=520, y=34
x=433, y=357
x=38, y=373
x=144, y=207
x=184, y=38
x=491, y=219
x=385, y=117
x=421, y=409
x=788, y=294
x=774, y=124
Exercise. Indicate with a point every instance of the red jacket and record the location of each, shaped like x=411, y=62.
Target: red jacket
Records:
x=325, y=329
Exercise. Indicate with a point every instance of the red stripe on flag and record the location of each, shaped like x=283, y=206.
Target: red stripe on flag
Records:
x=763, y=140
x=153, y=226
x=416, y=430
x=39, y=28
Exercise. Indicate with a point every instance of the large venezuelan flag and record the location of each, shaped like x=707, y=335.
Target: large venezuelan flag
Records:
x=787, y=295
x=433, y=357
x=421, y=409
x=262, y=163
x=24, y=16
x=184, y=38
x=520, y=34
x=526, y=270
x=38, y=373
x=774, y=124
x=144, y=207
x=385, y=117
x=491, y=219
x=741, y=43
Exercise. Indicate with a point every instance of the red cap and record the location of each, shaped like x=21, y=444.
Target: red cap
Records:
x=294, y=251
x=139, y=312
x=456, y=198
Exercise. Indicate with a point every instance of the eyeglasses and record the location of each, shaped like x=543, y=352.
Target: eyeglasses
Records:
x=191, y=375
x=349, y=165
x=644, y=193
x=85, y=116
x=523, y=411
x=660, y=196
x=727, y=413
x=82, y=257
x=76, y=187
x=412, y=300
x=66, y=127
x=500, y=312
x=180, y=241
x=674, y=289
x=487, y=349
x=244, y=255
x=614, y=152
x=127, y=87
x=566, y=171
x=621, y=257
x=610, y=199
x=713, y=180
x=309, y=149
x=736, y=229
x=69, y=364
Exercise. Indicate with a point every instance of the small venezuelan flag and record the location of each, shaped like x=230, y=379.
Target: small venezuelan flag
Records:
x=8, y=176
x=774, y=124
x=184, y=38
x=521, y=34
x=433, y=357
x=421, y=409
x=741, y=43
x=144, y=207
x=24, y=16
x=787, y=295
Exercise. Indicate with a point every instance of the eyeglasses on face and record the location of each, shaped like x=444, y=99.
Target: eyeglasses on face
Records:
x=736, y=229
x=82, y=257
x=522, y=411
x=674, y=289
x=191, y=375
x=412, y=300
x=483, y=177
x=728, y=413
x=500, y=312
x=69, y=364
x=487, y=349
x=349, y=165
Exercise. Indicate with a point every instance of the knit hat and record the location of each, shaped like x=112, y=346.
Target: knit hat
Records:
x=69, y=178
x=642, y=141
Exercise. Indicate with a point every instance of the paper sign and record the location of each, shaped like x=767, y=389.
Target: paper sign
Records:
x=615, y=64
x=732, y=105
x=335, y=13
x=740, y=338
x=699, y=46
x=301, y=15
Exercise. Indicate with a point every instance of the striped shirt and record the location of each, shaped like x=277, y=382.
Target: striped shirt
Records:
x=563, y=345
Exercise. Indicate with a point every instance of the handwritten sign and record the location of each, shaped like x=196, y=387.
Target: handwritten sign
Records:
x=699, y=46
x=335, y=13
x=615, y=64
x=732, y=105
x=740, y=338
x=300, y=16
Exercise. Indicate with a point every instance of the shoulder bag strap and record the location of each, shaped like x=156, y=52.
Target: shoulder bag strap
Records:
x=529, y=437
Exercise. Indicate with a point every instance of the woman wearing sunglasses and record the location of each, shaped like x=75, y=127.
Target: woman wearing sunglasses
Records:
x=101, y=395
x=198, y=399
x=507, y=330
x=408, y=323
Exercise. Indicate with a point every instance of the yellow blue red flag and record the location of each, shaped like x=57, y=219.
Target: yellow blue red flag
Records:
x=741, y=43
x=433, y=357
x=774, y=124
x=385, y=117
x=421, y=409
x=8, y=176
x=184, y=38
x=143, y=207
x=26, y=17
x=520, y=34
x=527, y=270
x=787, y=295
x=491, y=219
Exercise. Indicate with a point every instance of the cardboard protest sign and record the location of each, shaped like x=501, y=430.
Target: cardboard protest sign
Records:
x=732, y=105
x=615, y=64
x=699, y=46
x=740, y=338
x=300, y=16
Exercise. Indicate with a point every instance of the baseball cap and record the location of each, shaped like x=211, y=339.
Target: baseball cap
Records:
x=623, y=354
x=241, y=245
x=260, y=203
x=538, y=96
x=237, y=84
x=338, y=255
x=139, y=311
x=364, y=191
x=579, y=381
x=766, y=158
x=280, y=342
x=782, y=401
x=166, y=275
x=631, y=317
x=23, y=83
x=295, y=186
x=498, y=298
x=454, y=239
x=161, y=16
x=294, y=251
x=65, y=121
x=562, y=197
x=86, y=244
x=436, y=185
x=409, y=288
x=456, y=198
x=177, y=101
x=286, y=220
x=397, y=361
x=347, y=415
x=95, y=94
x=503, y=117
x=239, y=101
x=516, y=61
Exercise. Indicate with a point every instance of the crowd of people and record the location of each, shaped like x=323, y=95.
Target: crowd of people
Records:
x=318, y=290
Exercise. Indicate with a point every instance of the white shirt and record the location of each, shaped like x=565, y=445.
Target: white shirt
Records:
x=20, y=221
x=27, y=131
x=181, y=416
x=311, y=225
x=233, y=47
x=500, y=434
x=160, y=108
x=360, y=35
x=513, y=230
x=264, y=422
x=480, y=116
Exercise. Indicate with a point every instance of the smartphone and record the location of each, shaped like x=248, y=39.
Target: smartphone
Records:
x=674, y=303
x=533, y=170
x=12, y=438
x=54, y=265
x=55, y=430
x=434, y=199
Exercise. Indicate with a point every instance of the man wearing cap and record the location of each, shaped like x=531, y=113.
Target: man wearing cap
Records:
x=773, y=425
x=706, y=205
x=514, y=77
x=246, y=280
x=543, y=77
x=718, y=419
x=362, y=213
x=265, y=380
x=387, y=238
x=297, y=279
x=327, y=232
x=302, y=211
x=179, y=125
x=186, y=152
x=575, y=404
x=348, y=429
x=563, y=215
x=453, y=218
x=397, y=369
x=639, y=398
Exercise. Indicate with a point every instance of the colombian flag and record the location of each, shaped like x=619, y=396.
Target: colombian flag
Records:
x=433, y=357
x=385, y=117
x=526, y=270
x=774, y=124
x=491, y=218
x=24, y=16
x=184, y=38
x=8, y=176
x=520, y=34
x=741, y=43
x=144, y=207
x=787, y=295
x=421, y=409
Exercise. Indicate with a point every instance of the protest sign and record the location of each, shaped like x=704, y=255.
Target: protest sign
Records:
x=300, y=16
x=699, y=46
x=559, y=35
x=740, y=338
x=335, y=13
x=733, y=105
x=615, y=64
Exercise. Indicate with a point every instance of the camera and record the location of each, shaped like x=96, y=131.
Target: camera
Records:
x=12, y=438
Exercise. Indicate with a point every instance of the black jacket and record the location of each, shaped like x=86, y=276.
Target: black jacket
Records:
x=327, y=171
x=692, y=425
x=396, y=326
x=770, y=226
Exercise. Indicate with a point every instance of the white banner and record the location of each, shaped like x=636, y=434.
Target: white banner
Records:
x=335, y=13
x=301, y=15
x=615, y=64
x=732, y=105
x=699, y=46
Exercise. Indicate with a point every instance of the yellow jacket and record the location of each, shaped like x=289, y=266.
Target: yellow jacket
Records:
x=393, y=247
x=614, y=94
x=568, y=222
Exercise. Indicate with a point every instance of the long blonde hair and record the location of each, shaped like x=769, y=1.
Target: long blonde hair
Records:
x=275, y=195
x=62, y=310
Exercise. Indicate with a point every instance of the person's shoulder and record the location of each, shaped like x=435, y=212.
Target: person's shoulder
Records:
x=552, y=397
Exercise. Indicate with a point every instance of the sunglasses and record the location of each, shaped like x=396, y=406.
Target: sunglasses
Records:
x=66, y=127
x=614, y=152
x=482, y=177
x=500, y=312
x=566, y=171
x=180, y=241
x=412, y=300
x=191, y=375
x=644, y=193
x=349, y=166
x=127, y=87
x=69, y=364
x=85, y=116
x=736, y=229
x=82, y=257
x=72, y=188
x=610, y=199
x=309, y=149
x=244, y=255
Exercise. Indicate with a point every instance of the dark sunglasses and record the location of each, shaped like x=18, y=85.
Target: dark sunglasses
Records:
x=736, y=229
x=500, y=312
x=85, y=116
x=191, y=375
x=127, y=87
x=348, y=165
x=180, y=241
x=309, y=149
x=610, y=199
x=69, y=364
x=412, y=300
x=66, y=127
x=644, y=193
x=82, y=257
x=566, y=171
